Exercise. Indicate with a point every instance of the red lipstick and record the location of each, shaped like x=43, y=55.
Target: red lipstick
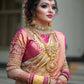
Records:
x=49, y=16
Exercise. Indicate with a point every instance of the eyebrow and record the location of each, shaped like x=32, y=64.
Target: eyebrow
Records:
x=46, y=3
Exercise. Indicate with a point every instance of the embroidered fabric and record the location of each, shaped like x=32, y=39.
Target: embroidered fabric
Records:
x=17, y=49
x=29, y=55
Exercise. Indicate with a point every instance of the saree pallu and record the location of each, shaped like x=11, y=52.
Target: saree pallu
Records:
x=28, y=52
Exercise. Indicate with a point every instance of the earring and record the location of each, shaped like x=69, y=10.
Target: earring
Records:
x=50, y=24
x=33, y=23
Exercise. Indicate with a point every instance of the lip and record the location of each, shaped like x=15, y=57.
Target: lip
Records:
x=49, y=16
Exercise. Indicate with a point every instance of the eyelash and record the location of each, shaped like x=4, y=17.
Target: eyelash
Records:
x=45, y=6
x=53, y=7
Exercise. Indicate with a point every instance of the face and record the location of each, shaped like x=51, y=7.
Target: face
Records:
x=45, y=10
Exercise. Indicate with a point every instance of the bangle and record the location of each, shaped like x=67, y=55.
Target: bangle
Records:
x=46, y=80
x=31, y=78
x=49, y=80
x=38, y=79
x=65, y=76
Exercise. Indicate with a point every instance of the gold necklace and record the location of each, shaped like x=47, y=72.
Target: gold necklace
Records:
x=52, y=52
x=40, y=30
x=39, y=27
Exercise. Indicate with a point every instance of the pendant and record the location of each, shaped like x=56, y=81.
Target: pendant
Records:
x=51, y=66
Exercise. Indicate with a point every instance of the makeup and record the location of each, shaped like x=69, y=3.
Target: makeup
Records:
x=49, y=15
x=45, y=12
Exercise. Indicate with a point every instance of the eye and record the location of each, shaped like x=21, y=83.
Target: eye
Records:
x=44, y=6
x=53, y=7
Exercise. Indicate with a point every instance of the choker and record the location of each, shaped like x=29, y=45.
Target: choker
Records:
x=40, y=30
x=38, y=27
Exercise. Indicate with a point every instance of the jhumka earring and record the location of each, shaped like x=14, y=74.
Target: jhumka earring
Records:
x=50, y=24
x=33, y=22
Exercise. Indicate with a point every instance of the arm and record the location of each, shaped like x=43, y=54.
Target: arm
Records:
x=65, y=65
x=17, y=49
x=64, y=76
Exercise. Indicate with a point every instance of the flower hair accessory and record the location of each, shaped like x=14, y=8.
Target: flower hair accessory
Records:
x=25, y=2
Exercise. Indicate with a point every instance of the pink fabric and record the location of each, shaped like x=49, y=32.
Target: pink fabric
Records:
x=32, y=49
x=61, y=57
x=45, y=38
x=29, y=49
x=31, y=78
x=45, y=80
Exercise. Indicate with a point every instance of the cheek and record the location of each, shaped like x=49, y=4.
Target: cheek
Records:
x=41, y=12
x=54, y=13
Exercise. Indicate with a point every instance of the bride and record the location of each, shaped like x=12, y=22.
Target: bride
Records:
x=37, y=53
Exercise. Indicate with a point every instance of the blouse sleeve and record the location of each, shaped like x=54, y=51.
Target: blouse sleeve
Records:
x=17, y=48
x=65, y=68
x=65, y=65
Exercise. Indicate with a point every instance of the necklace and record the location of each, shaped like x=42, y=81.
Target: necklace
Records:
x=39, y=27
x=40, y=30
x=52, y=51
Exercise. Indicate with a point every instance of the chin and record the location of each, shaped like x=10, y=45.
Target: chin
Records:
x=49, y=21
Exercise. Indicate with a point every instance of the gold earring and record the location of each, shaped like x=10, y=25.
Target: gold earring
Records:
x=50, y=24
x=33, y=23
x=33, y=20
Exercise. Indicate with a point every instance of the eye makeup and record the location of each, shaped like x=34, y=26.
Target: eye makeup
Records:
x=53, y=7
x=45, y=5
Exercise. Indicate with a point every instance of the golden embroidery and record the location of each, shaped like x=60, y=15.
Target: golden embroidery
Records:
x=52, y=50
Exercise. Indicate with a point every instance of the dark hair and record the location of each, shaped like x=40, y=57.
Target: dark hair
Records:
x=30, y=9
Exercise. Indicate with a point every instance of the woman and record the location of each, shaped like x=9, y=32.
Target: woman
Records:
x=37, y=54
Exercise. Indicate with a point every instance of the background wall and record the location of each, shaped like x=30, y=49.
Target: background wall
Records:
x=70, y=21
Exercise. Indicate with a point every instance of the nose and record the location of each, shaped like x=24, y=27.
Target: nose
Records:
x=50, y=9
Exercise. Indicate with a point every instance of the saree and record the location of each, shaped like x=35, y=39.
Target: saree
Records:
x=42, y=55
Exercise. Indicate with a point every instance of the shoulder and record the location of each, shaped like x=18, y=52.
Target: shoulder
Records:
x=61, y=37
x=20, y=35
x=59, y=34
x=21, y=32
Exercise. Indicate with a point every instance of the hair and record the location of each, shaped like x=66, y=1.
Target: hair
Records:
x=30, y=9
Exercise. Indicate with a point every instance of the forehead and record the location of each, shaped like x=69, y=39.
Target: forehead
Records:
x=47, y=1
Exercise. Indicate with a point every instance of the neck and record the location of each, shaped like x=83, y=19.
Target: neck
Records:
x=41, y=23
